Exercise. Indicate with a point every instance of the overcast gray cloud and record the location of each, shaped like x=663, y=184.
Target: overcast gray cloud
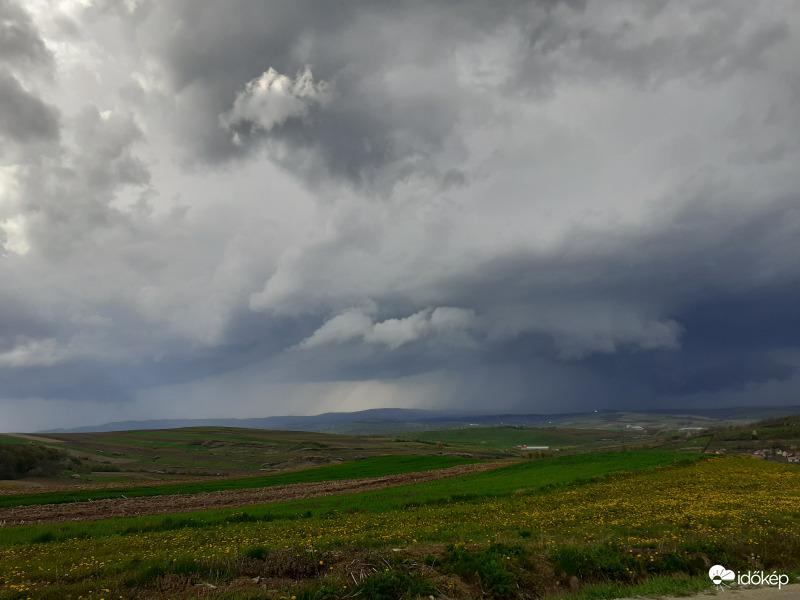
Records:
x=249, y=208
x=20, y=42
x=25, y=117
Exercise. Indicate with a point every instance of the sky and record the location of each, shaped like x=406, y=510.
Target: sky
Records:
x=245, y=209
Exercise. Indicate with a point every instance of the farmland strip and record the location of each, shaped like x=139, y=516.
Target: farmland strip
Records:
x=177, y=503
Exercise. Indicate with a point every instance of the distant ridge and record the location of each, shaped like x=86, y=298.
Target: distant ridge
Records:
x=299, y=423
x=399, y=420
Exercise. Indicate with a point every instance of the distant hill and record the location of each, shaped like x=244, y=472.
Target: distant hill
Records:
x=776, y=428
x=400, y=420
x=367, y=419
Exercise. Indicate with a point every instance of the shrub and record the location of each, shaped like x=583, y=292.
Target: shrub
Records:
x=392, y=585
x=104, y=468
x=18, y=460
x=593, y=562
x=525, y=533
x=241, y=517
x=487, y=568
x=262, y=561
x=187, y=569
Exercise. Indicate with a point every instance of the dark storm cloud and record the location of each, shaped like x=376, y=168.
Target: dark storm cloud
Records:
x=304, y=206
x=25, y=117
x=17, y=319
x=713, y=43
x=378, y=124
x=399, y=99
x=760, y=319
x=706, y=308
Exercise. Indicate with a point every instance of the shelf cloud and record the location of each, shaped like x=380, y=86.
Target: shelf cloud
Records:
x=249, y=209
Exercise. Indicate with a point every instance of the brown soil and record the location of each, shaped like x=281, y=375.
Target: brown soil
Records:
x=20, y=486
x=178, y=503
x=35, y=438
x=34, y=485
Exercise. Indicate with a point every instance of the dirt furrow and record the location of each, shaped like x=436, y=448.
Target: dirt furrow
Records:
x=178, y=503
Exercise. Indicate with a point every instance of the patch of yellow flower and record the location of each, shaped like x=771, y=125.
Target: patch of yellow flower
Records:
x=712, y=500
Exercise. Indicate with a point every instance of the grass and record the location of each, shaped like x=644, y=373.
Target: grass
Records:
x=509, y=437
x=780, y=428
x=10, y=439
x=215, y=451
x=368, y=467
x=642, y=526
x=524, y=478
x=661, y=585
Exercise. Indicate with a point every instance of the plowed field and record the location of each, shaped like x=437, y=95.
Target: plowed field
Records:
x=178, y=503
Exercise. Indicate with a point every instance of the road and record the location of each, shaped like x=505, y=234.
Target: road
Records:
x=789, y=592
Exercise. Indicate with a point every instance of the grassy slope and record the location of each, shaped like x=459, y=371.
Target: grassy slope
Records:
x=508, y=437
x=369, y=467
x=778, y=432
x=782, y=428
x=536, y=476
x=224, y=451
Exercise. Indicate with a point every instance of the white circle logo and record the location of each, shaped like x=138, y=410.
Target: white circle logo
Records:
x=718, y=574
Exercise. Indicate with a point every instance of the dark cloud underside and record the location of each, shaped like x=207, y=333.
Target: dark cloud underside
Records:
x=252, y=208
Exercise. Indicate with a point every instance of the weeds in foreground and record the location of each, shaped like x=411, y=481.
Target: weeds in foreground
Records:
x=392, y=585
x=661, y=528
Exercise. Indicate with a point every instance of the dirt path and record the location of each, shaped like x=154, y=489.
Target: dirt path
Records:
x=177, y=503
x=787, y=592
x=34, y=438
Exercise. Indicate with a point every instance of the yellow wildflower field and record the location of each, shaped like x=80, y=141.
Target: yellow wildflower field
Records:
x=713, y=503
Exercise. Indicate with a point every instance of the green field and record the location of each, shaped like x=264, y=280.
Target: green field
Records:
x=8, y=439
x=612, y=522
x=368, y=467
x=779, y=433
x=528, y=477
x=181, y=454
x=594, y=518
x=507, y=438
x=213, y=451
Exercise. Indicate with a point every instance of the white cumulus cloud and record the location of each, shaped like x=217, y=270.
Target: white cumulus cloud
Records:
x=344, y=327
x=273, y=98
x=445, y=324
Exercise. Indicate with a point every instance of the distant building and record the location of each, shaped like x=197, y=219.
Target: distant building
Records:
x=533, y=448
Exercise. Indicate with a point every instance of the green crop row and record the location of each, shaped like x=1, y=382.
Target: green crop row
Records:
x=368, y=467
